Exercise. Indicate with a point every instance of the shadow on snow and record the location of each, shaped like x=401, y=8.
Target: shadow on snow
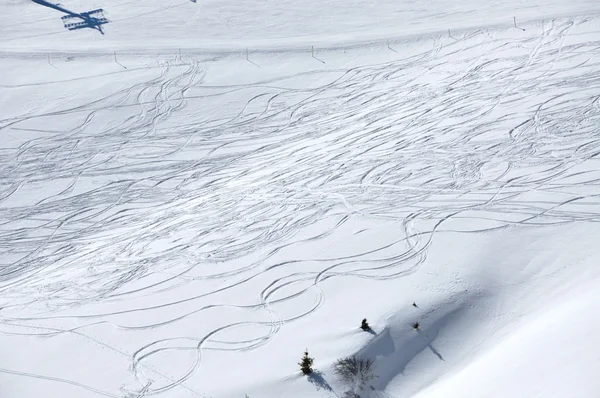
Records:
x=93, y=19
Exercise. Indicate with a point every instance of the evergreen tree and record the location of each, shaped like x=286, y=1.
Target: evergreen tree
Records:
x=306, y=364
x=365, y=325
x=416, y=326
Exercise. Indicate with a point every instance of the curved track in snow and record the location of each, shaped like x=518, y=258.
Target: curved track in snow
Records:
x=153, y=188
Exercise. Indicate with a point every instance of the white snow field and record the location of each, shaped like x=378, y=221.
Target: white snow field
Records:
x=182, y=217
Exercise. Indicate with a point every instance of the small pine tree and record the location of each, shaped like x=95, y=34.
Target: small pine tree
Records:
x=415, y=305
x=365, y=325
x=417, y=326
x=306, y=363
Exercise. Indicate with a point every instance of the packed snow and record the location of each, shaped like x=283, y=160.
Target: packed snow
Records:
x=194, y=193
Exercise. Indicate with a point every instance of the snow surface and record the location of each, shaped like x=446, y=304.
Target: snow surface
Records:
x=182, y=217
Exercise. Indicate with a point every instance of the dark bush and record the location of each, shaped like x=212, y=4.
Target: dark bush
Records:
x=356, y=372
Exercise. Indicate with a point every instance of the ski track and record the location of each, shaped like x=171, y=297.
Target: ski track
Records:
x=228, y=194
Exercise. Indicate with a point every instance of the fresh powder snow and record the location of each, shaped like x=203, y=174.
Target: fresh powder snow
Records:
x=193, y=193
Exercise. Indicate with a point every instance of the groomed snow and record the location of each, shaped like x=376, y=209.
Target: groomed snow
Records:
x=182, y=218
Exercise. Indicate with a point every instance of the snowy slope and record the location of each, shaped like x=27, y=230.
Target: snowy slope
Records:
x=230, y=26
x=181, y=218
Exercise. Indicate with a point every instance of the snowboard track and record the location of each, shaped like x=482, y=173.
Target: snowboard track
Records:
x=219, y=202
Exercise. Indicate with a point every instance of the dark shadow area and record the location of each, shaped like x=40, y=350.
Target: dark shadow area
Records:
x=319, y=381
x=371, y=331
x=93, y=19
x=55, y=7
x=395, y=348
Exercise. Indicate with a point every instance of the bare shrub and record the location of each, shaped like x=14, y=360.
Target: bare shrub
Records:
x=355, y=372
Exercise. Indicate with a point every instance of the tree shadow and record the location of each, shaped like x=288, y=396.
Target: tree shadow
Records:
x=316, y=378
x=371, y=331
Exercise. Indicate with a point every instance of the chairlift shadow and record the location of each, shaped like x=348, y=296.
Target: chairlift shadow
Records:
x=93, y=19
